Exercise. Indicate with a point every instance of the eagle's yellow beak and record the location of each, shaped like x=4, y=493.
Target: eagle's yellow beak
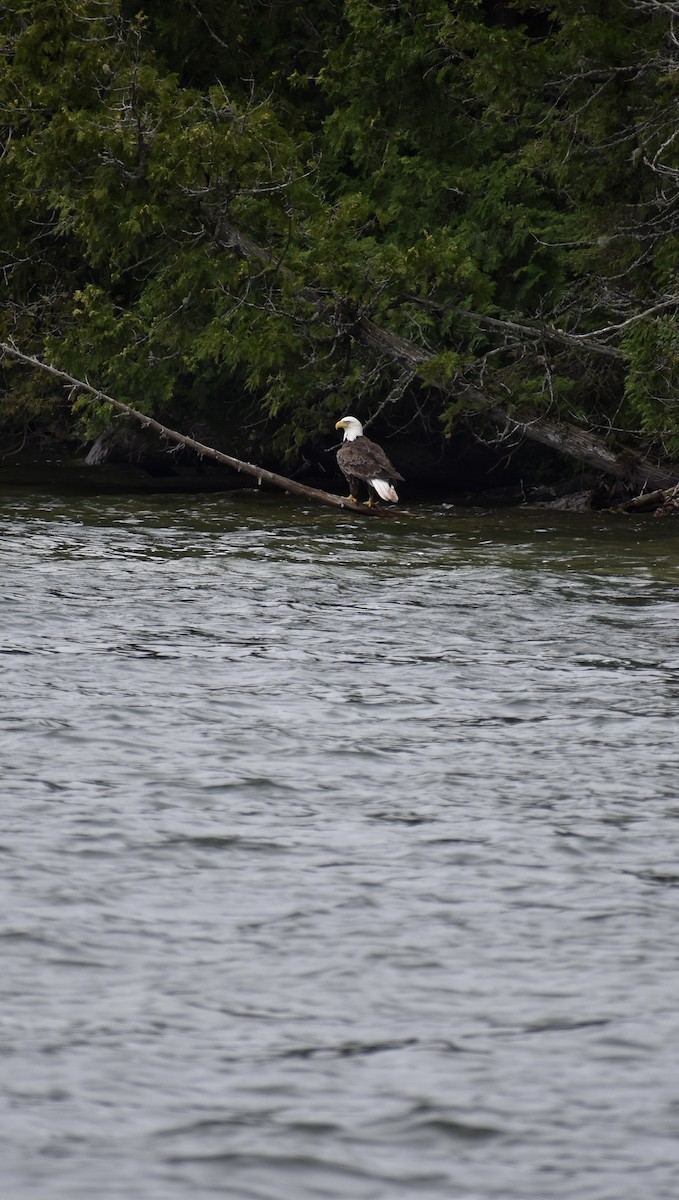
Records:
x=341, y=425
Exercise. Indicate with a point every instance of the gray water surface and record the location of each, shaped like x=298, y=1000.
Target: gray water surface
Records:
x=338, y=858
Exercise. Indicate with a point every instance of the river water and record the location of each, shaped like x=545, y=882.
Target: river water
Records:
x=339, y=857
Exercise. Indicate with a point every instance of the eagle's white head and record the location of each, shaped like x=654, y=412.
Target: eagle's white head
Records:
x=352, y=428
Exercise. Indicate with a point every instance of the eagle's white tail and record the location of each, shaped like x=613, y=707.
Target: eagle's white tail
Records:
x=384, y=490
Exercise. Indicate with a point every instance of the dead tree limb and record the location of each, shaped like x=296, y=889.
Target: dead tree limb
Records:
x=660, y=499
x=259, y=473
x=529, y=333
x=561, y=436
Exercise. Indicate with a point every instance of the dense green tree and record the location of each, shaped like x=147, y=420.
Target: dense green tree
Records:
x=257, y=214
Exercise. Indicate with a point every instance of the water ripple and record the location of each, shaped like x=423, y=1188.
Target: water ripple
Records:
x=337, y=860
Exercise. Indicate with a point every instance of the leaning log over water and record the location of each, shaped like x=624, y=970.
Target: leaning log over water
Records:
x=581, y=444
x=315, y=495
x=664, y=501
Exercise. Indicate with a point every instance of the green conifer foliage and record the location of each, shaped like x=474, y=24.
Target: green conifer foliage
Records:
x=205, y=205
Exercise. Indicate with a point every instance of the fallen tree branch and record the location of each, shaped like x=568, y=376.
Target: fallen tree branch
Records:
x=565, y=438
x=657, y=499
x=259, y=473
x=561, y=436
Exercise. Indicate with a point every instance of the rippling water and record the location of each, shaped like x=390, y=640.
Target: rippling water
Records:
x=339, y=858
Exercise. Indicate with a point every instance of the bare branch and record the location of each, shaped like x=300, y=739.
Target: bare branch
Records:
x=259, y=473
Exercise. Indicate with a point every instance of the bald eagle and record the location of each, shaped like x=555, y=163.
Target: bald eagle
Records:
x=361, y=460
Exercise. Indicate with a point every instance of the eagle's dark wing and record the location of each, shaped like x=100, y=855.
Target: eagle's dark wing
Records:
x=385, y=469
x=363, y=459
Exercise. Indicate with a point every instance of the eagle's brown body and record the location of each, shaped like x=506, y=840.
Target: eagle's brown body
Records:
x=363, y=461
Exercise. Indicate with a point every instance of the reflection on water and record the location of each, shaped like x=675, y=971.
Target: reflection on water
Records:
x=339, y=858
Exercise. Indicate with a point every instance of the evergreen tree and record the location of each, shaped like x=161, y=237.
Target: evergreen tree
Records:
x=260, y=214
